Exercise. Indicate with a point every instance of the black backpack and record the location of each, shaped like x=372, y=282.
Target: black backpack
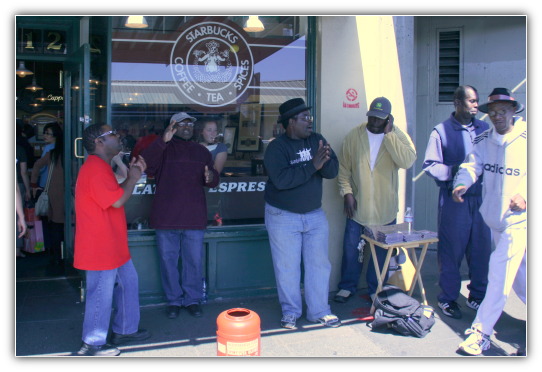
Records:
x=397, y=310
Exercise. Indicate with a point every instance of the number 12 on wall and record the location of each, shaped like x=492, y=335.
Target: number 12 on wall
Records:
x=32, y=41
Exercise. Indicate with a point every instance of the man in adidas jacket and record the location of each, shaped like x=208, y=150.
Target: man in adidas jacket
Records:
x=500, y=154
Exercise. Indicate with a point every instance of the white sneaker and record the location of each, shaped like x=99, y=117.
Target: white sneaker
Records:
x=476, y=342
x=329, y=320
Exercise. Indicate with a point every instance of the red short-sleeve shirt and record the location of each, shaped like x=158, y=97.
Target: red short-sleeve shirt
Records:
x=101, y=240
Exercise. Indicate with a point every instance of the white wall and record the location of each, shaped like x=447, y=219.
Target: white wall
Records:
x=340, y=68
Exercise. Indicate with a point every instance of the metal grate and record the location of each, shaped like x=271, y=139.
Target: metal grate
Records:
x=448, y=62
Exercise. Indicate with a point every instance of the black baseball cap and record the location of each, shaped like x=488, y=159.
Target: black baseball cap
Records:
x=380, y=107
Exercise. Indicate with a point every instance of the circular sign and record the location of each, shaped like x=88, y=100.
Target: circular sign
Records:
x=351, y=94
x=212, y=64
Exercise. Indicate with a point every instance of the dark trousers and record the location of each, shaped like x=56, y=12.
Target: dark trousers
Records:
x=462, y=233
x=351, y=267
x=55, y=237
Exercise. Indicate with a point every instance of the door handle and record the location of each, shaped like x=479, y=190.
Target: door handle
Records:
x=75, y=148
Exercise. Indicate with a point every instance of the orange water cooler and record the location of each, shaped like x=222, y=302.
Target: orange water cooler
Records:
x=238, y=333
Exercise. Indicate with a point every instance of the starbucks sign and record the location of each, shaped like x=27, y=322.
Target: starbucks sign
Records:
x=212, y=64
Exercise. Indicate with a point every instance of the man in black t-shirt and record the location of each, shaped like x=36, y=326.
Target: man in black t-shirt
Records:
x=296, y=163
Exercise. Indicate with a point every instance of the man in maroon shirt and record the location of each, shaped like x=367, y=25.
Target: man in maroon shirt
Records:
x=182, y=168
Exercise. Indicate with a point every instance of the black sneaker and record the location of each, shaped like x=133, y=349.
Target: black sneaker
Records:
x=473, y=303
x=450, y=309
x=118, y=339
x=288, y=321
x=342, y=296
x=98, y=350
x=172, y=311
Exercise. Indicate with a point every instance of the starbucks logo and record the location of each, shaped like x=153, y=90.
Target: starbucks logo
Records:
x=212, y=64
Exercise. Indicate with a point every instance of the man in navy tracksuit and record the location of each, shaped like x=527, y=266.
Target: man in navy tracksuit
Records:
x=461, y=228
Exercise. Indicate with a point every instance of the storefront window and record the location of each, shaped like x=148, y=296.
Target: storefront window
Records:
x=213, y=69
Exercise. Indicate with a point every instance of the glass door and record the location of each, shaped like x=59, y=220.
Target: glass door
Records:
x=77, y=115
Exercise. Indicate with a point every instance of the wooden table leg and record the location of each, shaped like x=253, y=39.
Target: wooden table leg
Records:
x=380, y=276
x=417, y=275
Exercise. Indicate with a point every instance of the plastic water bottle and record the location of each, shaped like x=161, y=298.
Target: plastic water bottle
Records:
x=409, y=218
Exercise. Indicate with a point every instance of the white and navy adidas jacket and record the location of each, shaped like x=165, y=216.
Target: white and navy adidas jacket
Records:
x=503, y=161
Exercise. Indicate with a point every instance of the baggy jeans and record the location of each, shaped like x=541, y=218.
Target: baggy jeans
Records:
x=108, y=291
x=295, y=238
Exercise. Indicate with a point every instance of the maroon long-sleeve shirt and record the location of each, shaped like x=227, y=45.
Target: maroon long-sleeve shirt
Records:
x=178, y=167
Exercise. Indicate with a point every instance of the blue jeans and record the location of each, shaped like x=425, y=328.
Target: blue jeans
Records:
x=294, y=236
x=351, y=267
x=105, y=290
x=188, y=245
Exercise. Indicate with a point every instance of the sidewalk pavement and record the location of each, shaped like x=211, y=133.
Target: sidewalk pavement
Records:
x=49, y=318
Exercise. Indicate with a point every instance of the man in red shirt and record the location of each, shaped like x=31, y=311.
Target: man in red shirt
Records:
x=101, y=246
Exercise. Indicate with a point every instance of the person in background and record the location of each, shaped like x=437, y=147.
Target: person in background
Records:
x=500, y=155
x=297, y=162
x=54, y=225
x=101, y=246
x=50, y=140
x=20, y=219
x=143, y=142
x=23, y=133
x=182, y=169
x=462, y=231
x=23, y=185
x=22, y=173
x=207, y=137
x=49, y=131
x=21, y=222
x=119, y=168
x=369, y=164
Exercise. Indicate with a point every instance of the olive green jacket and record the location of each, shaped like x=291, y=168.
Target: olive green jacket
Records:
x=375, y=191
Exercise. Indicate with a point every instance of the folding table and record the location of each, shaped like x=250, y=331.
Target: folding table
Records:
x=410, y=248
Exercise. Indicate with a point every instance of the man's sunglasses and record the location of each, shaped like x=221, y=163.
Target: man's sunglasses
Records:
x=113, y=132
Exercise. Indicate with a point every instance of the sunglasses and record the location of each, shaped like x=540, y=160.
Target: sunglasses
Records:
x=306, y=118
x=113, y=132
x=495, y=113
x=184, y=124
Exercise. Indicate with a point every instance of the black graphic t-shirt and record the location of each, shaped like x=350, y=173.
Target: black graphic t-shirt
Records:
x=294, y=184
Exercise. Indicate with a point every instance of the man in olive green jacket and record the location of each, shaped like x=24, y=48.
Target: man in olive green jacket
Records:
x=369, y=163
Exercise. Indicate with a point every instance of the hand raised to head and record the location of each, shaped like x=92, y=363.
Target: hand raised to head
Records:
x=170, y=130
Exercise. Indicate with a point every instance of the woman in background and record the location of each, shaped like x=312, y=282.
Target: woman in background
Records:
x=55, y=218
x=207, y=137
